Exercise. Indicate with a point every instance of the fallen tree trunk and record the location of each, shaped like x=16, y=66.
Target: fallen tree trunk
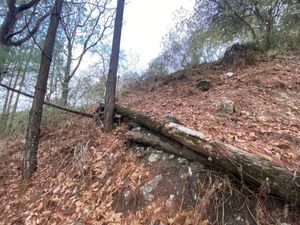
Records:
x=146, y=137
x=251, y=168
x=90, y=115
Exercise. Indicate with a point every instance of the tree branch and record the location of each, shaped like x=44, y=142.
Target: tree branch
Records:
x=28, y=5
x=30, y=32
x=90, y=115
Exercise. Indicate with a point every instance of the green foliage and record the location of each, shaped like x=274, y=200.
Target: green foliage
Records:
x=214, y=25
x=19, y=124
x=52, y=116
x=3, y=57
x=157, y=66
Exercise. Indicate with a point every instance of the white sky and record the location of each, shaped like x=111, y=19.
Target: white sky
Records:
x=145, y=24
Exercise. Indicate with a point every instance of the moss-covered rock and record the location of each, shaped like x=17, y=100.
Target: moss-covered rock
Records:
x=226, y=107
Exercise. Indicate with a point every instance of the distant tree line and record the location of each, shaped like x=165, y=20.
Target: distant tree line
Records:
x=204, y=34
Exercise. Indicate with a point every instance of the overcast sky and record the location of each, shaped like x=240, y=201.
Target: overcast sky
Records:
x=145, y=24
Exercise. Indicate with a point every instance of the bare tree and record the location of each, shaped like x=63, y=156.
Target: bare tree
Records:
x=87, y=26
x=14, y=13
x=33, y=130
x=113, y=69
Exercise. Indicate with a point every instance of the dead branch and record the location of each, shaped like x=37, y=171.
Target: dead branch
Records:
x=261, y=171
x=90, y=115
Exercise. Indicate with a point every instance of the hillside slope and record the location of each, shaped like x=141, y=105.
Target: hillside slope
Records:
x=88, y=177
x=266, y=97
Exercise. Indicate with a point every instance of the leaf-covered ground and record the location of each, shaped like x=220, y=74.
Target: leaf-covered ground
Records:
x=88, y=177
x=266, y=98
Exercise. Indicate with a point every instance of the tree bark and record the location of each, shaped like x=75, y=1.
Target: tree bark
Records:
x=149, y=138
x=13, y=15
x=9, y=22
x=33, y=130
x=113, y=69
x=67, y=75
x=250, y=168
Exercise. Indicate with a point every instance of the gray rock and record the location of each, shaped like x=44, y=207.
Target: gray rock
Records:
x=149, y=187
x=154, y=157
x=229, y=74
x=126, y=195
x=264, y=119
x=157, y=222
x=170, y=204
x=171, y=156
x=182, y=160
x=226, y=107
x=79, y=222
x=165, y=156
x=204, y=85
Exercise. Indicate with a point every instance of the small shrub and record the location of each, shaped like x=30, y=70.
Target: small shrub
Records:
x=240, y=55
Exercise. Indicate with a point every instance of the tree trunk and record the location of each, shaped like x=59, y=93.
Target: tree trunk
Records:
x=21, y=84
x=33, y=132
x=149, y=138
x=268, y=35
x=9, y=22
x=8, y=109
x=113, y=69
x=4, y=109
x=67, y=77
x=250, y=168
x=65, y=91
x=51, y=85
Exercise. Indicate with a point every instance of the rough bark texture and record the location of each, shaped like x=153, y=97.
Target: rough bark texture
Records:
x=67, y=74
x=9, y=22
x=113, y=68
x=258, y=170
x=33, y=132
x=146, y=137
x=90, y=115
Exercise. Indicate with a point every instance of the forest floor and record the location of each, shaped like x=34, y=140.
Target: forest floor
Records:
x=266, y=98
x=88, y=177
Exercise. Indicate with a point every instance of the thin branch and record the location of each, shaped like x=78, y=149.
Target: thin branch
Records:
x=28, y=5
x=30, y=32
x=90, y=115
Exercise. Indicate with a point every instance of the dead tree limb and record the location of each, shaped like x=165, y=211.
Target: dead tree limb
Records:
x=147, y=137
x=90, y=115
x=251, y=168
